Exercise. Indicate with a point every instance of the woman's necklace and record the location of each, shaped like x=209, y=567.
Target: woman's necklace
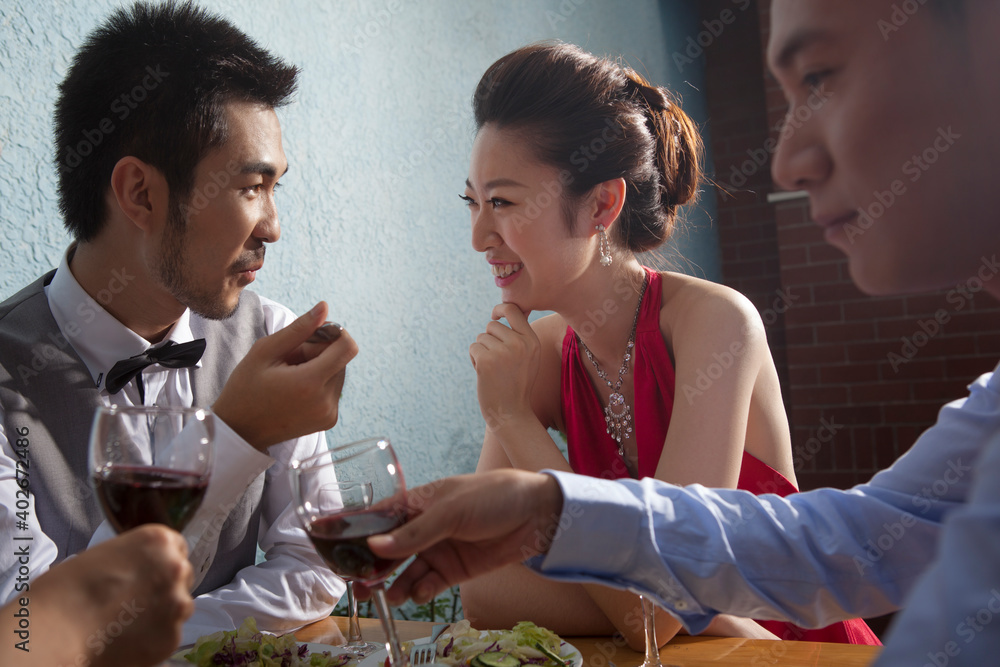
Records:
x=617, y=414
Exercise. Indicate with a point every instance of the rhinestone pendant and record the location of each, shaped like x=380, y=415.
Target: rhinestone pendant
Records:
x=618, y=416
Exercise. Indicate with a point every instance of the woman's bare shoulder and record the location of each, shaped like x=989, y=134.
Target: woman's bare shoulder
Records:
x=686, y=298
x=693, y=310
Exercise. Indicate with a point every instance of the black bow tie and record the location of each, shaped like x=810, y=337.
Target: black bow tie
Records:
x=170, y=355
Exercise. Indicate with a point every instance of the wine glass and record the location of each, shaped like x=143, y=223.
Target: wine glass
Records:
x=150, y=464
x=649, y=625
x=355, y=642
x=355, y=494
x=344, y=496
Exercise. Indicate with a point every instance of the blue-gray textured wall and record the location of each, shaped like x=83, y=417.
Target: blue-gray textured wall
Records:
x=378, y=141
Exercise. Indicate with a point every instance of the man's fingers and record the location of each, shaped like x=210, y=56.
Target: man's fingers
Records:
x=336, y=356
x=425, y=577
x=283, y=342
x=426, y=587
x=402, y=587
x=420, y=532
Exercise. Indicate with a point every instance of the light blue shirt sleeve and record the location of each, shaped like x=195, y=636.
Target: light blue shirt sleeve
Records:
x=953, y=615
x=812, y=558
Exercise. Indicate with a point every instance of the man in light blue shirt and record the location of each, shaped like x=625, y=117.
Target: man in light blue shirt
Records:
x=899, y=166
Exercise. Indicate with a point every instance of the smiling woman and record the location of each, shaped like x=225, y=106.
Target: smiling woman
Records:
x=578, y=164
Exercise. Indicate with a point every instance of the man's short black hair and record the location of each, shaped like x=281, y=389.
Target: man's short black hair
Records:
x=152, y=82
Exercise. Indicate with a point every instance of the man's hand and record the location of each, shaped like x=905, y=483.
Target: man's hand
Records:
x=285, y=387
x=466, y=526
x=122, y=602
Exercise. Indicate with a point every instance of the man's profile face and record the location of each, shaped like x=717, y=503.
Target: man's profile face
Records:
x=893, y=157
x=213, y=243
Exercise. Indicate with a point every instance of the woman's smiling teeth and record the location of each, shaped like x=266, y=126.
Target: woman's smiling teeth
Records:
x=504, y=270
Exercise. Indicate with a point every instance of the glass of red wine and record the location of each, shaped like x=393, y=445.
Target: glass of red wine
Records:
x=150, y=464
x=343, y=497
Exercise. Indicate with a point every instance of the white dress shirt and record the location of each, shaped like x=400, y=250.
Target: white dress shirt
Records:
x=292, y=586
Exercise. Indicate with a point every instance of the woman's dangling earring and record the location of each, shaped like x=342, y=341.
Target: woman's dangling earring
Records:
x=603, y=246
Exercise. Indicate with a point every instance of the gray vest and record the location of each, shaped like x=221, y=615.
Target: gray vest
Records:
x=48, y=394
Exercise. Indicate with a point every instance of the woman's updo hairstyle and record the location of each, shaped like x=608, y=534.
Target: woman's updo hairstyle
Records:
x=596, y=121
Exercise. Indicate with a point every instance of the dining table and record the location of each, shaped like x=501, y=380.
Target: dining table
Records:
x=681, y=651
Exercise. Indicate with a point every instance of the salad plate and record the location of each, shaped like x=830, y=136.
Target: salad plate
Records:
x=339, y=655
x=237, y=647
x=462, y=643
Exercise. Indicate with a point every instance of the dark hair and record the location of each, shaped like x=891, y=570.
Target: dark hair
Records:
x=598, y=121
x=153, y=82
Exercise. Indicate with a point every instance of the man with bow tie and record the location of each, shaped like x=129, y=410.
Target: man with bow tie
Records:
x=170, y=197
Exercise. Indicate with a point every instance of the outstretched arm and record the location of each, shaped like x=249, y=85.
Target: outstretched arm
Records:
x=696, y=552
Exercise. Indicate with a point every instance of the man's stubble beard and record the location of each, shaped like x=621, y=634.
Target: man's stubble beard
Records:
x=170, y=271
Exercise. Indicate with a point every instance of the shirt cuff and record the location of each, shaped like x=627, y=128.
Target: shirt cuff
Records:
x=598, y=518
x=607, y=535
x=243, y=464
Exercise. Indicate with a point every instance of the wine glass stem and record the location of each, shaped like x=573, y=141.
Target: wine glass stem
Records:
x=649, y=623
x=353, y=627
x=396, y=657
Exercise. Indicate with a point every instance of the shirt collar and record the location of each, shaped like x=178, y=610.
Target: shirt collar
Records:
x=95, y=334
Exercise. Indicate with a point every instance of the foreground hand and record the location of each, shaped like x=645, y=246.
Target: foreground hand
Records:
x=506, y=360
x=466, y=526
x=285, y=388
x=122, y=602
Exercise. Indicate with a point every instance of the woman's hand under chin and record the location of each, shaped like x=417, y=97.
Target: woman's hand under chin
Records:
x=506, y=360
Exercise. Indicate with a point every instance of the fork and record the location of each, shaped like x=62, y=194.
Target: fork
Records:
x=425, y=652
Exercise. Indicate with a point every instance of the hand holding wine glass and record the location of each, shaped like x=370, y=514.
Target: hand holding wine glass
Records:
x=344, y=496
x=151, y=464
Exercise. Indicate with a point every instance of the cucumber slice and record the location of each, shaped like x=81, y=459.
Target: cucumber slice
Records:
x=495, y=659
x=550, y=654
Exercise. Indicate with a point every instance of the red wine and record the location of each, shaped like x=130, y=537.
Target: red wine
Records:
x=131, y=496
x=342, y=541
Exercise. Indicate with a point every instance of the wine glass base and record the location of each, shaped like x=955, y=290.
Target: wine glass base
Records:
x=363, y=649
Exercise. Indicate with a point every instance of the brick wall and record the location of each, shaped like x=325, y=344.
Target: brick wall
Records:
x=861, y=376
x=737, y=134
